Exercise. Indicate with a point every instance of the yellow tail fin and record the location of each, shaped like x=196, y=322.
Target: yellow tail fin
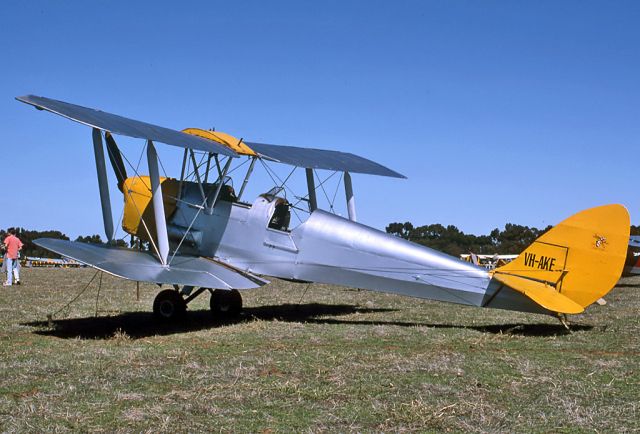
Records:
x=573, y=264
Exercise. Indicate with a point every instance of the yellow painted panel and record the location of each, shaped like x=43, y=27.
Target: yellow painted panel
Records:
x=138, y=206
x=540, y=261
x=223, y=138
x=543, y=294
x=582, y=256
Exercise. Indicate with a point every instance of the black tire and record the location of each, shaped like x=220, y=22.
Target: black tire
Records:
x=226, y=303
x=169, y=306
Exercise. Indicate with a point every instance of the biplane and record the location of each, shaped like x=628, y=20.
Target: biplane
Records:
x=204, y=237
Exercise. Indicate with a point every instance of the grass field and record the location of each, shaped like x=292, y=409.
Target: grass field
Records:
x=328, y=359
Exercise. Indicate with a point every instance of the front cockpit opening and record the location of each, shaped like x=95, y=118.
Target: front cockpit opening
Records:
x=227, y=193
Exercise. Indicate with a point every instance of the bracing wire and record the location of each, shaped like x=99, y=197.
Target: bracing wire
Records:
x=66, y=306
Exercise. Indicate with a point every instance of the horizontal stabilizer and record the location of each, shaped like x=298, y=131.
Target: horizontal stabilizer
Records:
x=143, y=267
x=543, y=294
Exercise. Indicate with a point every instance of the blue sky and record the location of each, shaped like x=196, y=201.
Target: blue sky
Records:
x=496, y=111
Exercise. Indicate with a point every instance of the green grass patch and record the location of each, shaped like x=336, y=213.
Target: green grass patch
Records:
x=337, y=360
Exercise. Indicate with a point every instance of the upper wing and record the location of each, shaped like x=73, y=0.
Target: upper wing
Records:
x=221, y=144
x=322, y=159
x=300, y=157
x=125, y=126
x=141, y=266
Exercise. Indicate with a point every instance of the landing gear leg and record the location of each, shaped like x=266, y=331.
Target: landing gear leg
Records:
x=226, y=303
x=169, y=306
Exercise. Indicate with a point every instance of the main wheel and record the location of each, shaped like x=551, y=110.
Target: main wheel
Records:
x=169, y=305
x=226, y=303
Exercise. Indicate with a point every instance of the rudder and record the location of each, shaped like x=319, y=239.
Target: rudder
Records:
x=575, y=263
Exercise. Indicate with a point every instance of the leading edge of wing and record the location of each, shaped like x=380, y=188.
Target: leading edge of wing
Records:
x=322, y=159
x=143, y=267
x=124, y=126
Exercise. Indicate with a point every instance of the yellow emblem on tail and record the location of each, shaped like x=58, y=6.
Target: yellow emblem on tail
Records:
x=573, y=264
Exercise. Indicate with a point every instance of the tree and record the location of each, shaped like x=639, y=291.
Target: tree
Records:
x=91, y=239
x=402, y=230
x=96, y=239
x=513, y=239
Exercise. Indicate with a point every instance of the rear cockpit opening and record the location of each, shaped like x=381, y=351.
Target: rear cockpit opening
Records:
x=281, y=216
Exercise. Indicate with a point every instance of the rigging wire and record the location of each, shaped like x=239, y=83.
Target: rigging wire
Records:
x=305, y=292
x=66, y=306
x=335, y=193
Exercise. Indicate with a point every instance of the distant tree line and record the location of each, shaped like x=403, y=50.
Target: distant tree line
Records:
x=513, y=239
x=30, y=249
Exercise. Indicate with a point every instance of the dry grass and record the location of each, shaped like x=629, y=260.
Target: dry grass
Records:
x=341, y=360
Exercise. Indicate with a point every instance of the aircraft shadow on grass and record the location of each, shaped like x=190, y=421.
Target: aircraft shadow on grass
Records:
x=138, y=325
x=628, y=285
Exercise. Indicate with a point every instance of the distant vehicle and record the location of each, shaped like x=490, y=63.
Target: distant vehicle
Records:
x=205, y=238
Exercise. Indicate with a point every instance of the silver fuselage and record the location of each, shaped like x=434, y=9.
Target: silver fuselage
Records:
x=327, y=248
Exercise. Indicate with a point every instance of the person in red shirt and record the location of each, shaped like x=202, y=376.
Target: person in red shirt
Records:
x=13, y=246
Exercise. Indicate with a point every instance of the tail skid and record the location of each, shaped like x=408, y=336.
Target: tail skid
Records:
x=575, y=263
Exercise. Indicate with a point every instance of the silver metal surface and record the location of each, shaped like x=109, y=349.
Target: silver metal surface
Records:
x=196, y=172
x=184, y=166
x=247, y=176
x=158, y=203
x=330, y=249
x=116, y=159
x=322, y=159
x=311, y=188
x=206, y=171
x=101, y=169
x=124, y=126
x=214, y=199
x=143, y=267
x=351, y=201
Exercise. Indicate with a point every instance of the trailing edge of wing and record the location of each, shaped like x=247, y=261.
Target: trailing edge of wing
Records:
x=124, y=126
x=141, y=266
x=322, y=159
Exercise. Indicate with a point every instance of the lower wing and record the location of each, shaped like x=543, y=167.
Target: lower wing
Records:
x=143, y=267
